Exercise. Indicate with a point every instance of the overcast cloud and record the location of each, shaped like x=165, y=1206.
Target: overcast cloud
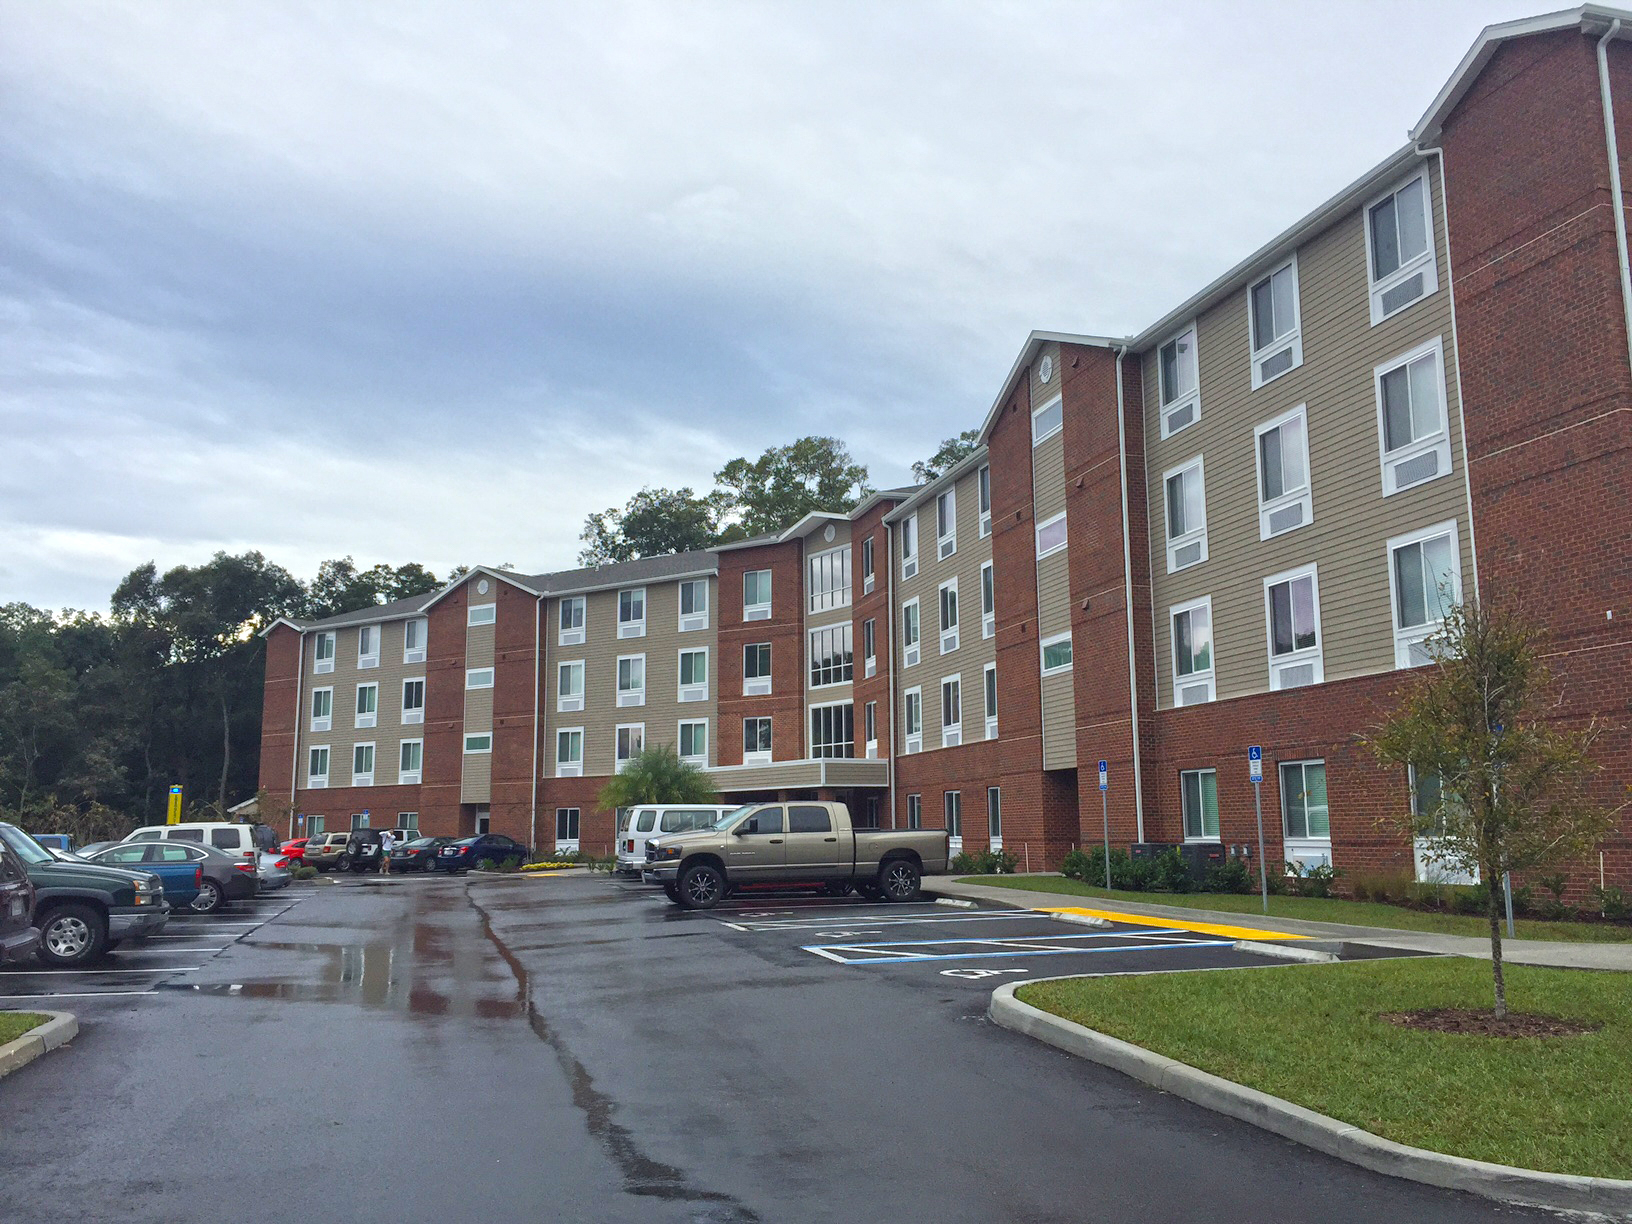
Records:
x=431, y=282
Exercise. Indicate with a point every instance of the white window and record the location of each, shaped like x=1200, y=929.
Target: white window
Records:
x=317, y=767
x=832, y=655
x=414, y=635
x=408, y=822
x=478, y=677
x=870, y=729
x=1400, y=249
x=867, y=566
x=869, y=646
x=410, y=761
x=912, y=706
x=830, y=579
x=1304, y=812
x=368, y=705
x=756, y=669
x=949, y=616
x=1425, y=582
x=1277, y=337
x=1198, y=789
x=481, y=614
x=632, y=613
x=694, y=605
x=1051, y=536
x=323, y=653
x=571, y=621
x=983, y=481
x=909, y=546
x=322, y=709
x=694, y=674
x=952, y=802
x=475, y=745
x=569, y=686
x=1056, y=654
x=946, y=524
x=909, y=633
x=833, y=730
x=566, y=830
x=1284, y=501
x=1179, y=382
x=413, y=700
x=1411, y=420
x=951, y=711
x=756, y=741
x=994, y=816
x=631, y=739
x=989, y=692
x=1292, y=612
x=756, y=595
x=915, y=811
x=1186, y=515
x=569, y=752
x=988, y=602
x=362, y=764
x=632, y=680
x=694, y=741
x=368, y=646
x=1047, y=420
x=1193, y=652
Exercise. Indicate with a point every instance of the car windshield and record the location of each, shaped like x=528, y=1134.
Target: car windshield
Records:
x=731, y=817
x=24, y=846
x=419, y=843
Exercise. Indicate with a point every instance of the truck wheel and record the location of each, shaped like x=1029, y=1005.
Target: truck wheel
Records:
x=672, y=892
x=702, y=887
x=73, y=935
x=898, y=880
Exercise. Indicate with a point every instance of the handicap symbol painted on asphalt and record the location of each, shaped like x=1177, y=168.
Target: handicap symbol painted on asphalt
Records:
x=974, y=975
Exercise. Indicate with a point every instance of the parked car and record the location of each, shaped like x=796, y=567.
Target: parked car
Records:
x=489, y=848
x=85, y=910
x=273, y=871
x=323, y=850
x=644, y=822
x=247, y=840
x=87, y=851
x=178, y=867
x=362, y=853
x=55, y=841
x=295, y=849
x=417, y=855
x=19, y=937
x=226, y=877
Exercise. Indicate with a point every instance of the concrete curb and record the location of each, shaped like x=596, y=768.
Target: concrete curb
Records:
x=1087, y=920
x=1602, y=1196
x=1291, y=952
x=60, y=1029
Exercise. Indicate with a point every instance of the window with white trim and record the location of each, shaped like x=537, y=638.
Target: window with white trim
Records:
x=983, y=482
x=952, y=807
x=1425, y=582
x=869, y=722
x=1413, y=432
x=694, y=741
x=1198, y=790
x=475, y=745
x=630, y=740
x=632, y=680
x=693, y=605
x=362, y=764
x=1277, y=336
x=1051, y=535
x=566, y=828
x=1193, y=675
x=756, y=669
x=408, y=822
x=1292, y=612
x=1400, y=256
x=833, y=730
x=994, y=816
x=694, y=674
x=368, y=646
x=368, y=705
x=1047, y=420
x=756, y=595
x=415, y=633
x=756, y=741
x=410, y=761
x=951, y=711
x=322, y=709
x=323, y=653
x=632, y=613
x=989, y=692
x=909, y=633
x=1179, y=382
x=1186, y=498
x=949, y=615
x=481, y=614
x=832, y=655
x=1056, y=654
x=413, y=700
x=830, y=579
x=571, y=621
x=915, y=811
x=569, y=752
x=912, y=710
x=946, y=523
x=1284, y=500
x=869, y=646
x=317, y=767
x=1305, y=814
x=909, y=546
x=867, y=566
x=569, y=686
x=478, y=677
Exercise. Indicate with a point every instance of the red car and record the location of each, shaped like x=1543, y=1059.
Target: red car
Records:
x=294, y=849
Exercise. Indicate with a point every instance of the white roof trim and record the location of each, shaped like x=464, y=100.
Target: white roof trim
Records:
x=630, y=584
x=465, y=577
x=814, y=517
x=282, y=620
x=970, y=462
x=1030, y=347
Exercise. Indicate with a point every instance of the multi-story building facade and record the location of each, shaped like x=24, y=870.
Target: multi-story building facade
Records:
x=1235, y=527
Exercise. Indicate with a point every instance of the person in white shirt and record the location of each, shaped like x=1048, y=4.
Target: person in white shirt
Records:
x=387, y=841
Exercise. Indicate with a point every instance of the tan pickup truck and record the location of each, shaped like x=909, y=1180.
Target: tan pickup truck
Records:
x=799, y=842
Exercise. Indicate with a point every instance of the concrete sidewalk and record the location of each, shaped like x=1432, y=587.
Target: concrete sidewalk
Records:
x=1611, y=956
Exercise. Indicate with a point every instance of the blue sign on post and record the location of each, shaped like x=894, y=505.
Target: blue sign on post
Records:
x=1104, y=782
x=1255, y=763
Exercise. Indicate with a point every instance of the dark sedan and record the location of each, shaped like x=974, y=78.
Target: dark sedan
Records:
x=488, y=849
x=201, y=878
x=417, y=855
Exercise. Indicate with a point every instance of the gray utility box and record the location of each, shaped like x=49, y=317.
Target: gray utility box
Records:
x=1198, y=856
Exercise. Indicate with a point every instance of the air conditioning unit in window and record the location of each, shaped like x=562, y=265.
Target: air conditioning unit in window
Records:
x=951, y=737
x=1284, y=519
x=1177, y=418
x=568, y=704
x=569, y=769
x=416, y=655
x=694, y=692
x=872, y=750
x=910, y=656
x=1194, y=694
x=1294, y=675
x=949, y=641
x=1275, y=364
x=638, y=629
x=1403, y=294
x=867, y=584
x=693, y=620
x=1187, y=554
x=632, y=699
x=915, y=743
x=870, y=668
x=909, y=568
x=1415, y=470
x=749, y=614
x=572, y=637
x=948, y=546
x=323, y=665
x=759, y=687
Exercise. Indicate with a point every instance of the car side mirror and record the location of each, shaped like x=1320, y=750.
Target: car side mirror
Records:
x=743, y=829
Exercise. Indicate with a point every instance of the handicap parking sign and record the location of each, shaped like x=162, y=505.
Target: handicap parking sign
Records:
x=1255, y=763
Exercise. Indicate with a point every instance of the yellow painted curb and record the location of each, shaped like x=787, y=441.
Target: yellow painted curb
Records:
x=1202, y=928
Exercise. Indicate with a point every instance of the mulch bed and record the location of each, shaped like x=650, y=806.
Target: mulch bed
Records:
x=1472, y=1023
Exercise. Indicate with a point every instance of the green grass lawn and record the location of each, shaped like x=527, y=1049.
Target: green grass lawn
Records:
x=14, y=1024
x=1311, y=1034
x=1323, y=909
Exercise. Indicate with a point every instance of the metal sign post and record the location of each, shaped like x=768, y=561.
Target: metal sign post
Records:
x=1255, y=765
x=1105, y=810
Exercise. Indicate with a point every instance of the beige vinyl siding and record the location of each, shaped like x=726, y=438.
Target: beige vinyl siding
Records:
x=1053, y=576
x=343, y=734
x=1352, y=519
x=477, y=768
x=476, y=785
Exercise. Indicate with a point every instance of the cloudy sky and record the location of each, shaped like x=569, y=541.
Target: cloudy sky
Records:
x=430, y=281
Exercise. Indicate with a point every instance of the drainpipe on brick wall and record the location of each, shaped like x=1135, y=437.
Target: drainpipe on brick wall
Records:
x=294, y=755
x=538, y=620
x=1615, y=178
x=889, y=599
x=1127, y=591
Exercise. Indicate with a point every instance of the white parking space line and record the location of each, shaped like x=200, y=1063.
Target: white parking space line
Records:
x=865, y=919
x=77, y=994
x=915, y=951
x=56, y=973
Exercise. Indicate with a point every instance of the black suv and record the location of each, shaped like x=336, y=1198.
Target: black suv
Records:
x=362, y=852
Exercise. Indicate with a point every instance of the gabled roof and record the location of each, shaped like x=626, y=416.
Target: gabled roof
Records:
x=1027, y=352
x=922, y=493
x=396, y=609
x=668, y=566
x=518, y=581
x=872, y=499
x=809, y=522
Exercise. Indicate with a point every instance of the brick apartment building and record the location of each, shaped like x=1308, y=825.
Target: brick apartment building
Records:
x=1233, y=528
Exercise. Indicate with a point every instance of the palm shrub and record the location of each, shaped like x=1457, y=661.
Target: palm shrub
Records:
x=657, y=775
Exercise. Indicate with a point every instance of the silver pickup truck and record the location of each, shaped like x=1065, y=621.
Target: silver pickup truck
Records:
x=800, y=842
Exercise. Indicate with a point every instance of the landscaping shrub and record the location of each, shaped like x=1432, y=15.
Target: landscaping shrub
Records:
x=984, y=862
x=1612, y=903
x=1230, y=876
x=303, y=872
x=1170, y=873
x=1316, y=881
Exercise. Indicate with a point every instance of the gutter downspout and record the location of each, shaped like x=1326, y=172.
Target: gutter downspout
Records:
x=1616, y=197
x=538, y=619
x=294, y=756
x=889, y=599
x=1127, y=587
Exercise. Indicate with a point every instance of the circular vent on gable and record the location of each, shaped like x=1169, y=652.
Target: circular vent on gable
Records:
x=1045, y=368
x=481, y=587
x=828, y=533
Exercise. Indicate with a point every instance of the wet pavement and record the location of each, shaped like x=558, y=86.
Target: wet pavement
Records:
x=578, y=1049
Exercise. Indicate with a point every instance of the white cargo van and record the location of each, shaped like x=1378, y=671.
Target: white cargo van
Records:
x=640, y=823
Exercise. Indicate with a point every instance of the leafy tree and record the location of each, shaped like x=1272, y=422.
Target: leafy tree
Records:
x=1514, y=787
x=341, y=587
x=788, y=482
x=657, y=775
x=952, y=452
x=653, y=523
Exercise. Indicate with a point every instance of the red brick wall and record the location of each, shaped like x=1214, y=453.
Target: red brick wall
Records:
x=786, y=633
x=596, y=825
x=444, y=715
x=278, y=701
x=874, y=607
x=970, y=769
x=338, y=804
x=515, y=685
